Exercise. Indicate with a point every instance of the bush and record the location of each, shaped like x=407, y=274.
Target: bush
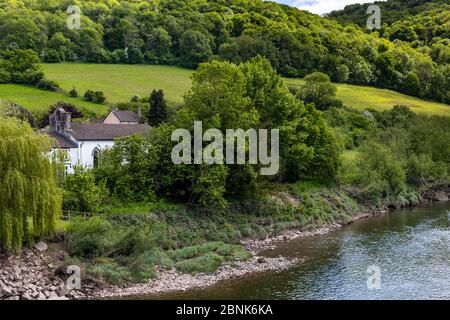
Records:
x=52, y=56
x=89, y=95
x=97, y=96
x=135, y=98
x=5, y=76
x=88, y=238
x=209, y=263
x=110, y=271
x=82, y=193
x=73, y=93
x=11, y=109
x=48, y=85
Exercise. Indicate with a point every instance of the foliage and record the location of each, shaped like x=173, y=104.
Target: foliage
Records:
x=73, y=93
x=11, y=109
x=187, y=33
x=251, y=95
x=319, y=90
x=47, y=85
x=82, y=193
x=397, y=152
x=127, y=244
x=28, y=190
x=20, y=66
x=95, y=96
x=157, y=112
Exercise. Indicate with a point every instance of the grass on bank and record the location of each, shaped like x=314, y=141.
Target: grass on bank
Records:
x=130, y=240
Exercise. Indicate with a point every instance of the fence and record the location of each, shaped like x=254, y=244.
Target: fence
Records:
x=68, y=214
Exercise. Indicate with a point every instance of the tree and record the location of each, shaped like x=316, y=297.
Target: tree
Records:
x=22, y=65
x=160, y=43
x=82, y=193
x=29, y=196
x=73, y=93
x=157, y=112
x=195, y=48
x=319, y=90
x=12, y=109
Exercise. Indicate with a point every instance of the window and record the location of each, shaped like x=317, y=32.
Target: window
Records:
x=95, y=156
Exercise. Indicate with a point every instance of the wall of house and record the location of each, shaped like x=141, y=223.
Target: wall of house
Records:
x=86, y=149
x=84, y=154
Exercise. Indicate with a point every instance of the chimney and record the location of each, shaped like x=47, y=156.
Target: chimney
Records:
x=52, y=122
x=67, y=121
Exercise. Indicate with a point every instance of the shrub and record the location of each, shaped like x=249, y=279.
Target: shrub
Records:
x=209, y=263
x=95, y=96
x=52, y=56
x=82, y=193
x=48, y=85
x=99, y=97
x=88, y=238
x=110, y=271
x=11, y=109
x=5, y=76
x=73, y=93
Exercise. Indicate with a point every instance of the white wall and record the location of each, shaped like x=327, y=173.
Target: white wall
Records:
x=86, y=149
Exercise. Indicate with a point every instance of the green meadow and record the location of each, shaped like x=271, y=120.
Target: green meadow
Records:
x=38, y=101
x=121, y=82
x=361, y=97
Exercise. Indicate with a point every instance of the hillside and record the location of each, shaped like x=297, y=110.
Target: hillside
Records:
x=187, y=32
x=38, y=101
x=121, y=82
x=362, y=97
x=392, y=10
x=421, y=23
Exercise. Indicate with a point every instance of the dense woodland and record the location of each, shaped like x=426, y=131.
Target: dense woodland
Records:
x=187, y=32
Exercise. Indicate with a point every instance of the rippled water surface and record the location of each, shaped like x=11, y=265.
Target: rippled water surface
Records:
x=411, y=248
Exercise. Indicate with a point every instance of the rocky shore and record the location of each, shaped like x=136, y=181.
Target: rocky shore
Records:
x=174, y=281
x=30, y=277
x=34, y=274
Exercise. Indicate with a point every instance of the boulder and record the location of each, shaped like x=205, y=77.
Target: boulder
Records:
x=41, y=246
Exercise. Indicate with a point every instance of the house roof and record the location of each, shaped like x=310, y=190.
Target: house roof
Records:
x=126, y=116
x=62, y=142
x=103, y=131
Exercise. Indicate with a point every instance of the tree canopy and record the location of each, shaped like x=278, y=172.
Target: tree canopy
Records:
x=189, y=32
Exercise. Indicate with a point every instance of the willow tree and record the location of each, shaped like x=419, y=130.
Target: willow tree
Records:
x=29, y=196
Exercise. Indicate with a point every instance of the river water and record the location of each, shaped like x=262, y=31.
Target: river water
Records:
x=410, y=249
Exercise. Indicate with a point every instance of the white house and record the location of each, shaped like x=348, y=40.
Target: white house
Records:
x=83, y=142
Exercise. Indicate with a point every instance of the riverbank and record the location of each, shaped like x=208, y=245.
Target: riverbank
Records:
x=41, y=274
x=172, y=281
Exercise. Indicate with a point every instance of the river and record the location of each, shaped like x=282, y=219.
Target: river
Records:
x=410, y=248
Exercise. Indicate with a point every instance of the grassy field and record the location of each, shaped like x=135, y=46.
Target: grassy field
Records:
x=121, y=82
x=38, y=101
x=360, y=97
